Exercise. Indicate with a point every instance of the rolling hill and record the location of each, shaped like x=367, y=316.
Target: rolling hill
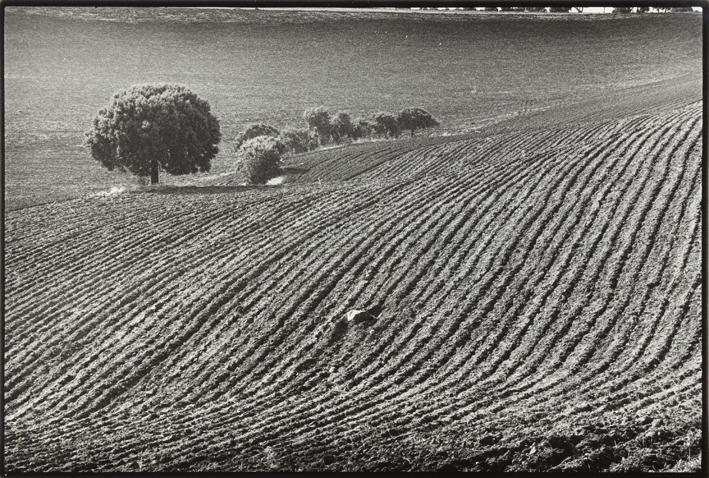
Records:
x=539, y=283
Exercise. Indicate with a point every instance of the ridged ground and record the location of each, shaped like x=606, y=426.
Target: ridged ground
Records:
x=541, y=285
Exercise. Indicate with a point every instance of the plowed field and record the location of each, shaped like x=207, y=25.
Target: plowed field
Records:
x=540, y=287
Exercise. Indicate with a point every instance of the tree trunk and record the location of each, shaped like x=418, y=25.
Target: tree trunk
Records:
x=154, y=173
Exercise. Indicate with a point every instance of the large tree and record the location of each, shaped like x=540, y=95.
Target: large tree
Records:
x=150, y=127
x=415, y=118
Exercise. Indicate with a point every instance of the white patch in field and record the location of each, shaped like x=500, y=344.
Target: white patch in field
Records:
x=113, y=191
x=276, y=181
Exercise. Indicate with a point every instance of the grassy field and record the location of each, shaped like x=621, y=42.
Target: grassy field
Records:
x=269, y=66
x=539, y=278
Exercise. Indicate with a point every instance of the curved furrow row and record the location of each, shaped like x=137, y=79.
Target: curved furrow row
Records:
x=577, y=392
x=551, y=288
x=578, y=308
x=530, y=365
x=296, y=342
x=319, y=273
x=570, y=275
x=157, y=289
x=387, y=291
x=199, y=317
x=545, y=380
x=593, y=162
x=113, y=258
x=653, y=241
x=60, y=338
x=580, y=379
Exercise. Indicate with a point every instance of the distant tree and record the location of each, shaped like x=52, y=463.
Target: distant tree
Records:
x=341, y=126
x=318, y=120
x=415, y=118
x=298, y=140
x=150, y=127
x=681, y=10
x=534, y=9
x=559, y=9
x=579, y=9
x=386, y=124
x=506, y=9
x=642, y=9
x=362, y=128
x=490, y=9
x=252, y=131
x=259, y=159
x=622, y=10
x=662, y=9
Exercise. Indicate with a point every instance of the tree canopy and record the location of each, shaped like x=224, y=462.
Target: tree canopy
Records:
x=150, y=127
x=362, y=128
x=415, y=118
x=253, y=130
x=386, y=124
x=318, y=120
x=260, y=159
x=298, y=140
x=341, y=126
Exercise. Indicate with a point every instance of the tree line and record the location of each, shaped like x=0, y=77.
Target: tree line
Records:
x=152, y=127
x=260, y=146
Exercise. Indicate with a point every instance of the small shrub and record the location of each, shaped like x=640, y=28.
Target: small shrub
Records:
x=293, y=140
x=254, y=130
x=259, y=159
x=298, y=140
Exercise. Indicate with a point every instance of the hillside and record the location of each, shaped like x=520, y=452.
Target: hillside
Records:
x=63, y=64
x=539, y=284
